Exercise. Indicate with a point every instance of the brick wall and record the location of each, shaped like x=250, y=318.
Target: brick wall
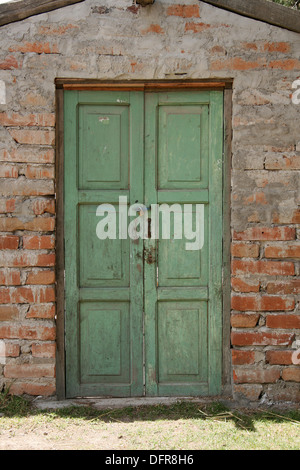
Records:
x=123, y=41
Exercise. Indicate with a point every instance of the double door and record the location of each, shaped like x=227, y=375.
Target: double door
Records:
x=143, y=242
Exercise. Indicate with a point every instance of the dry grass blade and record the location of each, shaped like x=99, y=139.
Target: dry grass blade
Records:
x=297, y=423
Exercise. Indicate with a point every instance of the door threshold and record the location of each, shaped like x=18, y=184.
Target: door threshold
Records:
x=107, y=402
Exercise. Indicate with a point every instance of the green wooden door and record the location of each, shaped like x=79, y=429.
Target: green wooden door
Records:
x=143, y=316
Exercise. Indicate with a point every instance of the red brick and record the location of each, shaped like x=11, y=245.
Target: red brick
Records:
x=29, y=370
x=291, y=374
x=41, y=311
x=16, y=119
x=39, y=172
x=23, y=187
x=36, y=332
x=9, y=63
x=291, y=286
x=9, y=313
x=266, y=233
x=185, y=11
x=279, y=357
x=18, y=388
x=265, y=303
x=8, y=171
x=26, y=294
x=277, y=47
x=41, y=278
x=38, y=224
x=37, y=47
x=243, y=357
x=9, y=242
x=287, y=251
x=197, y=27
x=43, y=350
x=287, y=64
x=261, y=338
x=241, y=285
x=9, y=349
x=272, y=268
x=245, y=250
x=258, y=376
x=10, y=277
x=38, y=242
x=283, y=321
x=33, y=137
x=244, y=320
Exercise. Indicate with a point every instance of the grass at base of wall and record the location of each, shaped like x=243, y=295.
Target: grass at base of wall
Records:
x=181, y=426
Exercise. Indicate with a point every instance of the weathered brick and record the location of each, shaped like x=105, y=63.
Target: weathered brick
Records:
x=282, y=162
x=283, y=251
x=246, y=286
x=250, y=392
x=153, y=28
x=185, y=11
x=9, y=312
x=16, y=119
x=272, y=268
x=9, y=242
x=43, y=350
x=236, y=63
x=258, y=376
x=41, y=278
x=279, y=357
x=286, y=217
x=24, y=187
x=261, y=338
x=283, y=321
x=9, y=63
x=33, y=137
x=20, y=387
x=266, y=233
x=36, y=332
x=42, y=206
x=242, y=357
x=292, y=286
x=245, y=250
x=8, y=170
x=264, y=303
x=41, y=311
x=285, y=64
x=29, y=370
x=291, y=374
x=27, y=258
x=38, y=224
x=26, y=294
x=37, y=47
x=9, y=349
x=7, y=205
x=38, y=242
x=244, y=320
x=39, y=172
x=10, y=277
x=25, y=154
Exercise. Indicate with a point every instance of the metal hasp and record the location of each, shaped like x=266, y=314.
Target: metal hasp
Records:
x=144, y=3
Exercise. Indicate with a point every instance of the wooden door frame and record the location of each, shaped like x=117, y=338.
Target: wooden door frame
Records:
x=62, y=84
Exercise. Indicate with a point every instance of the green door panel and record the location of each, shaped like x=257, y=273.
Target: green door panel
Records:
x=103, y=147
x=138, y=324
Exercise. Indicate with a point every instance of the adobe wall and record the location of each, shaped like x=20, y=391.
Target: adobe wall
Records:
x=188, y=40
